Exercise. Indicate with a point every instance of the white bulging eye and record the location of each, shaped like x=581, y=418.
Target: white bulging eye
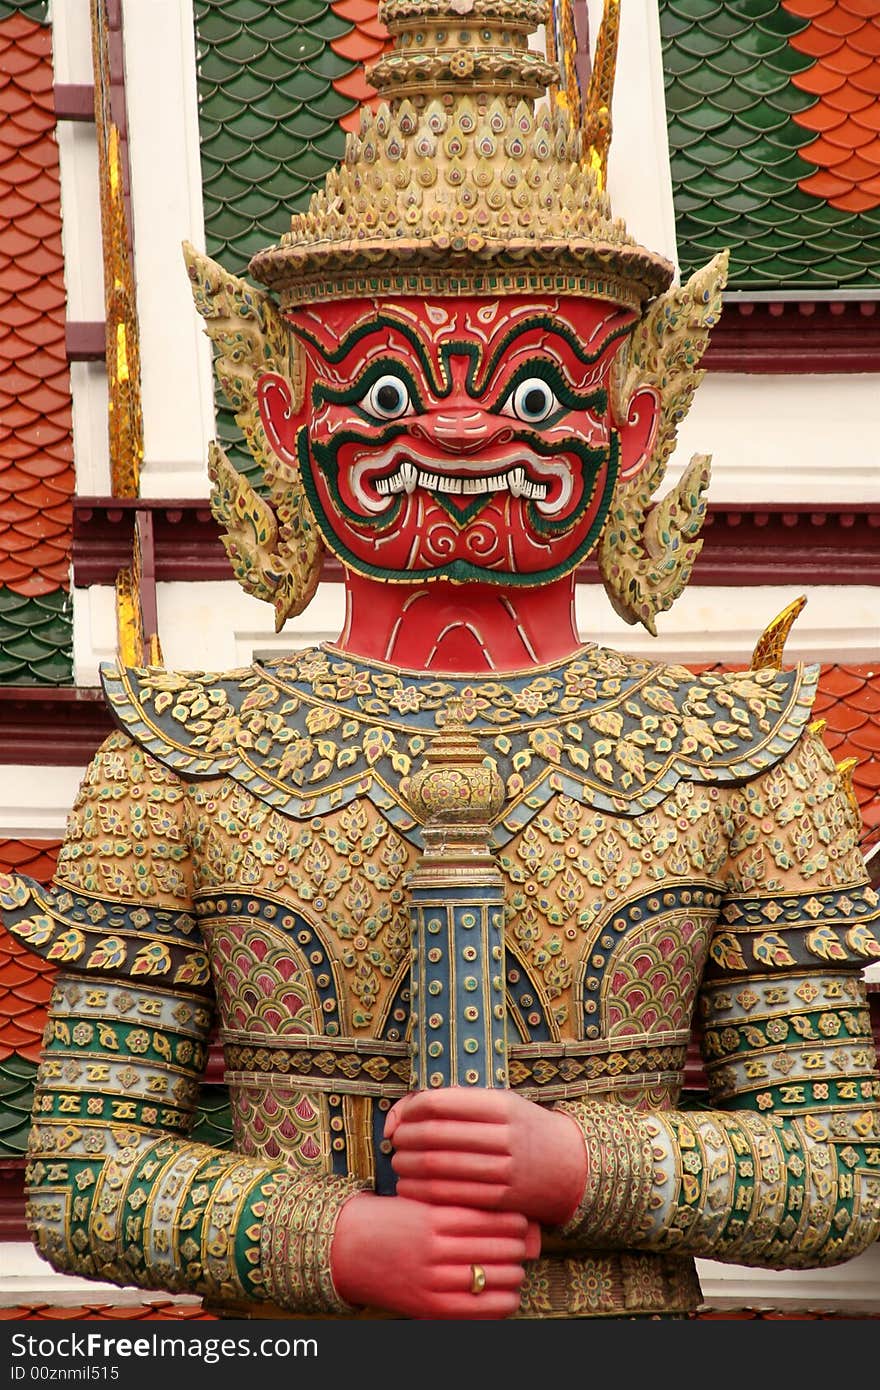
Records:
x=387, y=398
x=533, y=401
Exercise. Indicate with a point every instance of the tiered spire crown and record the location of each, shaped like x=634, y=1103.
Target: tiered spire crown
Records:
x=456, y=184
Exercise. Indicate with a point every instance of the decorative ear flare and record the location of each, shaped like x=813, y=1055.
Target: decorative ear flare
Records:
x=272, y=541
x=648, y=549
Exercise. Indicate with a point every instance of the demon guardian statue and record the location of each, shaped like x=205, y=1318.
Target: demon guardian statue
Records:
x=456, y=886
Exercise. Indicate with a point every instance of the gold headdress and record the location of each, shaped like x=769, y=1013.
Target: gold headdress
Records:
x=458, y=184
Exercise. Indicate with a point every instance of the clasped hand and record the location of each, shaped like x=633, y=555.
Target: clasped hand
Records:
x=478, y=1173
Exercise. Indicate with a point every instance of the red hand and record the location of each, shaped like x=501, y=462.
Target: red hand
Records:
x=487, y=1149
x=418, y=1260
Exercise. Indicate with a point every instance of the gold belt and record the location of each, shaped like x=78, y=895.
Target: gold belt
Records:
x=547, y=1071
x=610, y=1284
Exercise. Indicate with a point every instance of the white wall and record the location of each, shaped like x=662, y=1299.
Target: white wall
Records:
x=215, y=626
x=81, y=239
x=166, y=198
x=799, y=439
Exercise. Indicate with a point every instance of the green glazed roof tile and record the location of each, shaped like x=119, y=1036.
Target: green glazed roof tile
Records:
x=269, y=122
x=213, y=1123
x=17, y=1077
x=36, y=639
x=735, y=152
x=37, y=10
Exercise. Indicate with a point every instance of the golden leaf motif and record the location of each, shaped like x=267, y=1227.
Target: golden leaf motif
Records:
x=35, y=930
x=606, y=722
x=69, y=945
x=726, y=951
x=863, y=941
x=547, y=743
x=111, y=951
x=631, y=758
x=578, y=756
x=701, y=731
x=823, y=942
x=153, y=959
x=322, y=718
x=770, y=949
x=193, y=971
x=376, y=743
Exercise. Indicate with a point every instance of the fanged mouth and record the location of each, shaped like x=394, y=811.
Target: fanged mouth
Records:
x=375, y=479
x=408, y=477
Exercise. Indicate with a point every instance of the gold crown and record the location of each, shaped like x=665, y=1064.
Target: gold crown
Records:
x=456, y=184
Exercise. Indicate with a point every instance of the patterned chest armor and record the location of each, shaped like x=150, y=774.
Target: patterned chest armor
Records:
x=272, y=825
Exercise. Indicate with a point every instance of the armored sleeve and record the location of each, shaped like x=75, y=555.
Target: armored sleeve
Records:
x=784, y=1169
x=116, y=1190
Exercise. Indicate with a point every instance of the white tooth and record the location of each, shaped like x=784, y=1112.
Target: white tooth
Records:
x=409, y=475
x=516, y=481
x=383, y=486
x=456, y=485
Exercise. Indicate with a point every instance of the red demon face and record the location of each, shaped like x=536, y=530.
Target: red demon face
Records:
x=459, y=439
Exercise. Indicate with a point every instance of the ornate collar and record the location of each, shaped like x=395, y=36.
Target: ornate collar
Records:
x=314, y=730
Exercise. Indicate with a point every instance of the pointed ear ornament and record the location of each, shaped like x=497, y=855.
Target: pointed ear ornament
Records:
x=272, y=542
x=648, y=549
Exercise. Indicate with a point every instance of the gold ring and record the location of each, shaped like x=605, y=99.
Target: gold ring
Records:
x=478, y=1278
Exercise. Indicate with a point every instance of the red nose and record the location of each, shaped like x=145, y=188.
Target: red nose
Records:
x=461, y=430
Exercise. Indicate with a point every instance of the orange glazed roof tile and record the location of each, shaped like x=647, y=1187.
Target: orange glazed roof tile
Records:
x=36, y=452
x=191, y=1312
x=364, y=45
x=100, y=1312
x=849, y=699
x=25, y=979
x=844, y=38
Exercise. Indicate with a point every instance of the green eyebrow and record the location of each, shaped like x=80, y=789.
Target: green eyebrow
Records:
x=561, y=330
x=549, y=371
x=351, y=339
x=479, y=372
x=352, y=394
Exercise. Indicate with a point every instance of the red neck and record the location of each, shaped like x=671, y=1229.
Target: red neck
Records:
x=459, y=627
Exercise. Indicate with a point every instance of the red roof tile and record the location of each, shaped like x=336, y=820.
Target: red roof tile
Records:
x=36, y=479
x=364, y=45
x=849, y=700
x=99, y=1312
x=844, y=38
x=25, y=979
x=190, y=1312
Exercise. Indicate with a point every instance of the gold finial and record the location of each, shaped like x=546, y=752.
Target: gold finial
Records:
x=456, y=788
x=770, y=645
x=817, y=727
x=450, y=47
x=597, y=116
